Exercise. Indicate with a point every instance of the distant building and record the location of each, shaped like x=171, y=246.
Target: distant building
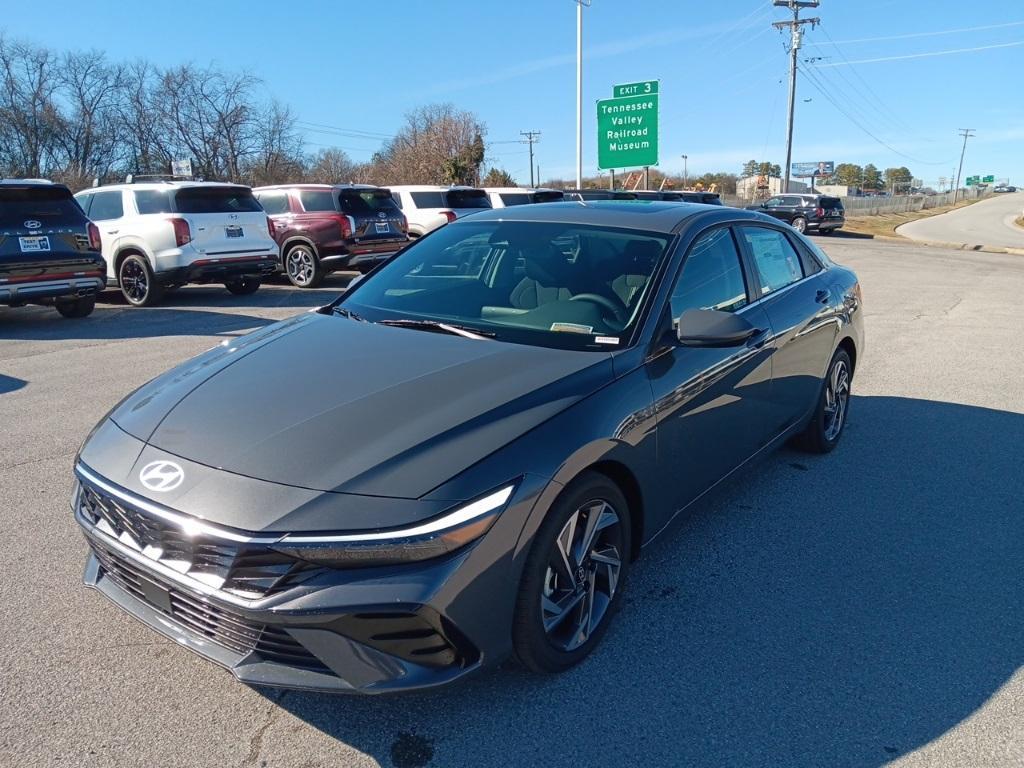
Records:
x=747, y=186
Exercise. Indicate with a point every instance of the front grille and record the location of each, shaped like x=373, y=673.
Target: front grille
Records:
x=219, y=625
x=239, y=568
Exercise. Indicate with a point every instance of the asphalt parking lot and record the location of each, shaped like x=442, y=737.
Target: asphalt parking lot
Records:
x=860, y=608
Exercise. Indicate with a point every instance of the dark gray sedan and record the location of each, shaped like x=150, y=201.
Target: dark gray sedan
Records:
x=458, y=459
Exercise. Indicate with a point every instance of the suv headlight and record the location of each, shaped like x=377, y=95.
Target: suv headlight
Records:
x=422, y=541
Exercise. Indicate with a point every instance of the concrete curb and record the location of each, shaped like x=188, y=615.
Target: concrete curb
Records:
x=954, y=246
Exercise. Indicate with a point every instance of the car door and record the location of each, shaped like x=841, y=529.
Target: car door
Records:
x=802, y=315
x=709, y=402
x=106, y=209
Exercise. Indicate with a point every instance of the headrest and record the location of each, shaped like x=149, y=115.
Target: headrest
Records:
x=641, y=256
x=547, y=265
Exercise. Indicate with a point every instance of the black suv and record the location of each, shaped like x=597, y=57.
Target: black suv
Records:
x=682, y=196
x=807, y=213
x=49, y=250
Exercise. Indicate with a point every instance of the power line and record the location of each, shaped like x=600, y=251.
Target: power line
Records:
x=353, y=133
x=966, y=133
x=796, y=37
x=531, y=138
x=926, y=55
x=933, y=34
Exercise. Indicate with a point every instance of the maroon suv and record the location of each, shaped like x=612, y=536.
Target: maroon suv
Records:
x=323, y=228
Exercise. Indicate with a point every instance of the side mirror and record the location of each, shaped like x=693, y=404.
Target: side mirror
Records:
x=713, y=328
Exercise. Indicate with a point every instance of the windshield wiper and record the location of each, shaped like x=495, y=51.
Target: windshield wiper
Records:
x=437, y=325
x=348, y=313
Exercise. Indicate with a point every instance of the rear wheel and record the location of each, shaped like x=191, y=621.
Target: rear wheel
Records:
x=303, y=267
x=80, y=307
x=573, y=578
x=137, y=282
x=826, y=425
x=243, y=286
x=800, y=224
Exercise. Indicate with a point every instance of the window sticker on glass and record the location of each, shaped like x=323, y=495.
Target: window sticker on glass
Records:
x=572, y=328
x=606, y=339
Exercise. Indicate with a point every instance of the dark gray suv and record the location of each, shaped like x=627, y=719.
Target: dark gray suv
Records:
x=806, y=213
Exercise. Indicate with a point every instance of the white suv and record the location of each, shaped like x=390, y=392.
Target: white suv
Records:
x=503, y=197
x=427, y=207
x=162, y=234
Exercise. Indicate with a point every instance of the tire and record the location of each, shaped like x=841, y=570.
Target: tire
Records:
x=302, y=266
x=800, y=224
x=138, y=285
x=80, y=307
x=243, y=286
x=550, y=640
x=822, y=432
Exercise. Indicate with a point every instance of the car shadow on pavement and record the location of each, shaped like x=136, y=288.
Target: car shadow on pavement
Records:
x=10, y=384
x=822, y=610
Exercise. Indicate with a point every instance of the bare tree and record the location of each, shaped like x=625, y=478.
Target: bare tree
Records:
x=28, y=114
x=437, y=143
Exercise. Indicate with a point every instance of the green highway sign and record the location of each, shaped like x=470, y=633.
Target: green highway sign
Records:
x=627, y=131
x=644, y=88
x=972, y=180
x=989, y=179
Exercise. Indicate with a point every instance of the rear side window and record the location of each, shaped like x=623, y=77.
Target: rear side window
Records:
x=548, y=196
x=273, y=202
x=317, y=200
x=468, y=198
x=106, y=205
x=712, y=276
x=152, y=201
x=778, y=264
x=367, y=202
x=428, y=199
x=397, y=197
x=515, y=198
x=216, y=200
x=47, y=205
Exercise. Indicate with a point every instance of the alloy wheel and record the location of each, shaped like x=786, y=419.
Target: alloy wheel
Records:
x=134, y=281
x=837, y=393
x=300, y=266
x=582, y=575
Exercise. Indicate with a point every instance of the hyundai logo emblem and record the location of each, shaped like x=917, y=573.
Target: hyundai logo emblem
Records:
x=162, y=476
x=232, y=215
x=381, y=215
x=33, y=224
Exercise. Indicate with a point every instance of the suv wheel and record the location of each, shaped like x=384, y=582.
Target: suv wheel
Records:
x=800, y=224
x=303, y=267
x=243, y=286
x=137, y=282
x=80, y=307
x=573, y=578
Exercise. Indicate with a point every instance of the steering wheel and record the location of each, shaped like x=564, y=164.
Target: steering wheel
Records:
x=618, y=311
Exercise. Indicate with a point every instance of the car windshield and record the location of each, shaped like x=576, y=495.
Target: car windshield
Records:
x=216, y=200
x=556, y=285
x=48, y=205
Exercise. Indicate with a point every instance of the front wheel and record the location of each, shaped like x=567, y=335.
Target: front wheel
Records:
x=800, y=224
x=573, y=579
x=243, y=286
x=826, y=425
x=137, y=282
x=80, y=307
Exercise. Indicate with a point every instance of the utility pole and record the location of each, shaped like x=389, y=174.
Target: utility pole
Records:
x=685, y=174
x=531, y=137
x=796, y=36
x=966, y=133
x=579, y=91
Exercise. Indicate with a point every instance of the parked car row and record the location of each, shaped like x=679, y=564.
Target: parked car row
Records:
x=153, y=234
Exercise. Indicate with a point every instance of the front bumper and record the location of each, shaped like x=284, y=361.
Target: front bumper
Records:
x=43, y=290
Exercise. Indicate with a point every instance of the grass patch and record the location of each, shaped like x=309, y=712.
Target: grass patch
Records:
x=884, y=224
x=1020, y=222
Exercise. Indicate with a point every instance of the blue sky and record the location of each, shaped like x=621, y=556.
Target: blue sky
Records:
x=361, y=65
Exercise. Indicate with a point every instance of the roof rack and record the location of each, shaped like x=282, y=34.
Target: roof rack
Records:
x=132, y=178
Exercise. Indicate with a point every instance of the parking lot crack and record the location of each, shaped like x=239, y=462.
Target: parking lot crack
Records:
x=256, y=740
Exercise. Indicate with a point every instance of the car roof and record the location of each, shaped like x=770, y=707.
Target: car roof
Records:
x=648, y=215
x=27, y=183
x=429, y=188
x=316, y=186
x=164, y=184
x=520, y=189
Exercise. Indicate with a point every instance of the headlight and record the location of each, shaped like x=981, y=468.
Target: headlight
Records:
x=432, y=538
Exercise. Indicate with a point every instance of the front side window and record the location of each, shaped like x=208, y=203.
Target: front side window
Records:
x=106, y=205
x=712, y=276
x=778, y=265
x=549, y=284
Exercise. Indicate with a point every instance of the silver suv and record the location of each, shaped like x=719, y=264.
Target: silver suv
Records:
x=163, y=234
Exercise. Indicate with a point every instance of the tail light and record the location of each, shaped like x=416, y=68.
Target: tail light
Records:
x=182, y=234
x=819, y=212
x=348, y=226
x=271, y=230
x=403, y=224
x=450, y=215
x=94, y=237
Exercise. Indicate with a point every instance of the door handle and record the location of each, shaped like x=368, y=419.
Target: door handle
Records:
x=757, y=339
x=823, y=296
x=113, y=231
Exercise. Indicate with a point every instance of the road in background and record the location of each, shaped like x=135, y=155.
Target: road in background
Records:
x=988, y=222
x=850, y=609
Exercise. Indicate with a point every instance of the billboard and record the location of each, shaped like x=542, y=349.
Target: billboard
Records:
x=804, y=170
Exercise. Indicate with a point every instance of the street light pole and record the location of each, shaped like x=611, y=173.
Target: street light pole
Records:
x=685, y=174
x=579, y=91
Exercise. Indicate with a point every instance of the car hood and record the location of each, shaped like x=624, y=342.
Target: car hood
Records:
x=331, y=404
